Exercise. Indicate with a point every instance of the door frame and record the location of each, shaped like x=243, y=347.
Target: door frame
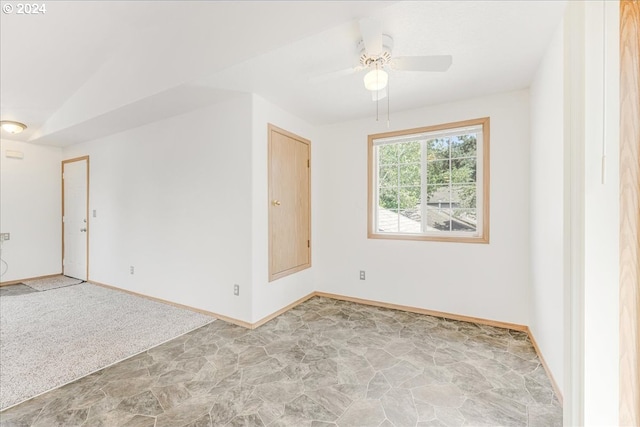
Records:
x=270, y=129
x=64, y=162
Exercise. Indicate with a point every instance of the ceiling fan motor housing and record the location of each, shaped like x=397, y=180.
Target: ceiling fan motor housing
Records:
x=367, y=60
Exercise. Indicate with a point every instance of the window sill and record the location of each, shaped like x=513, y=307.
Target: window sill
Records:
x=431, y=238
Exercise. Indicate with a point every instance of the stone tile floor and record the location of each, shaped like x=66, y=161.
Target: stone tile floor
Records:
x=323, y=363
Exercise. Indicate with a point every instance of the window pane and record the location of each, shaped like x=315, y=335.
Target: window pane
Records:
x=388, y=198
x=438, y=195
x=438, y=149
x=409, y=152
x=464, y=220
x=410, y=221
x=463, y=196
x=388, y=154
x=388, y=176
x=387, y=220
x=438, y=215
x=463, y=146
x=438, y=218
x=409, y=197
x=410, y=174
x=438, y=172
x=463, y=170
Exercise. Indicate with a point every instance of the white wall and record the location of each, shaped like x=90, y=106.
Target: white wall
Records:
x=173, y=199
x=269, y=297
x=547, y=207
x=483, y=280
x=187, y=207
x=30, y=210
x=601, y=220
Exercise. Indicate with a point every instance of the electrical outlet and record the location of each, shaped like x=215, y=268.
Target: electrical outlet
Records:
x=131, y=269
x=361, y=274
x=236, y=290
x=5, y=236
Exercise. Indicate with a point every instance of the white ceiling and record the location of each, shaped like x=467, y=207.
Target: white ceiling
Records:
x=87, y=69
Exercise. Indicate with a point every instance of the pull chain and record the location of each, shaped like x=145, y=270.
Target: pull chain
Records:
x=603, y=172
x=388, y=103
x=377, y=93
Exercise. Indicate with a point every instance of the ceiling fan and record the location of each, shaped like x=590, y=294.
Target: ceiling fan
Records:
x=375, y=55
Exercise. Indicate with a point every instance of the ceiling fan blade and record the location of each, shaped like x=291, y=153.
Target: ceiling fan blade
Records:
x=371, y=32
x=322, y=78
x=422, y=63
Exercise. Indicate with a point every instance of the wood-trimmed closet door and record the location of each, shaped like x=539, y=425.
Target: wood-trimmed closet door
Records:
x=289, y=203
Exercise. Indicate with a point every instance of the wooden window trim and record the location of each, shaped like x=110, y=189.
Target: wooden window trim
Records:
x=484, y=236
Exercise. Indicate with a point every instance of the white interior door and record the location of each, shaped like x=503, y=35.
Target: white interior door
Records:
x=75, y=220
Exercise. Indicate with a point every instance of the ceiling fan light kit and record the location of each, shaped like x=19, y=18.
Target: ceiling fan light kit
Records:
x=376, y=80
x=375, y=56
x=12, y=127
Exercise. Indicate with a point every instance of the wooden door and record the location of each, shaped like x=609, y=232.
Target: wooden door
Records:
x=630, y=213
x=289, y=203
x=75, y=226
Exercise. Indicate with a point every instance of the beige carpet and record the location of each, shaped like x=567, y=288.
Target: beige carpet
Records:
x=48, y=339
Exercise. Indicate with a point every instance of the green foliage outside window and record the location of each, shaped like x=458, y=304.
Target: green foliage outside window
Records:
x=450, y=168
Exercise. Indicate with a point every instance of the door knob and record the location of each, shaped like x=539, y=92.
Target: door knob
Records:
x=276, y=203
x=83, y=230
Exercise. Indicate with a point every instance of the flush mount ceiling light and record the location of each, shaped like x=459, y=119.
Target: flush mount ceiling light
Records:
x=12, y=127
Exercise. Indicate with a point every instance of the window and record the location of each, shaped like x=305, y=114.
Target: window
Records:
x=431, y=183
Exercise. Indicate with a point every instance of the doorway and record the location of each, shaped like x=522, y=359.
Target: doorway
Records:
x=75, y=218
